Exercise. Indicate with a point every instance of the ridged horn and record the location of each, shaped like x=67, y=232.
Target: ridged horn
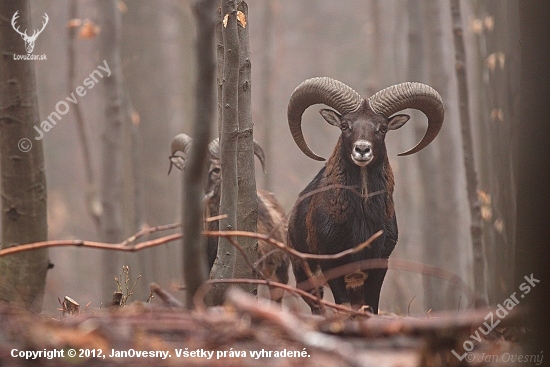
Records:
x=214, y=149
x=180, y=143
x=324, y=90
x=419, y=96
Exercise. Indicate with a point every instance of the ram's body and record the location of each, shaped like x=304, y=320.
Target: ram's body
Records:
x=336, y=219
x=271, y=217
x=350, y=199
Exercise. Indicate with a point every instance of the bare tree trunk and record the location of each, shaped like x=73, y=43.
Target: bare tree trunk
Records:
x=267, y=87
x=467, y=147
x=247, y=205
x=194, y=244
x=224, y=266
x=23, y=180
x=220, y=54
x=498, y=55
x=93, y=202
x=111, y=185
x=532, y=178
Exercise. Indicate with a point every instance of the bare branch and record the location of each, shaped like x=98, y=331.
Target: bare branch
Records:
x=284, y=247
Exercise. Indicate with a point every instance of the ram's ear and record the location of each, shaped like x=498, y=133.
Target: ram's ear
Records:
x=331, y=116
x=397, y=121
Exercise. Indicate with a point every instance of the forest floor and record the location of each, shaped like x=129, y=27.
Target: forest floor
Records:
x=249, y=332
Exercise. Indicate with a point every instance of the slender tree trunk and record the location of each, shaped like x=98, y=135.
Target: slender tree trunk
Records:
x=247, y=205
x=194, y=244
x=224, y=265
x=467, y=147
x=220, y=52
x=111, y=185
x=267, y=88
x=93, y=202
x=23, y=180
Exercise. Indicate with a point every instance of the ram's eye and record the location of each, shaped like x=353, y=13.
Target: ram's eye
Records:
x=344, y=125
x=216, y=170
x=383, y=129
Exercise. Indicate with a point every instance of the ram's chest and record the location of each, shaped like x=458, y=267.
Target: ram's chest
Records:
x=347, y=221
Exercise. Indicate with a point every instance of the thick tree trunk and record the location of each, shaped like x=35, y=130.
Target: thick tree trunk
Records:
x=23, y=180
x=247, y=205
x=532, y=178
x=194, y=244
x=225, y=261
x=111, y=180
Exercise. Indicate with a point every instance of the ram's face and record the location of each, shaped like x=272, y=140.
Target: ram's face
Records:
x=363, y=133
x=213, y=182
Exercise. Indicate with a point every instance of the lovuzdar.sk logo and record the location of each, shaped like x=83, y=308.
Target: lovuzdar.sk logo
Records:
x=29, y=40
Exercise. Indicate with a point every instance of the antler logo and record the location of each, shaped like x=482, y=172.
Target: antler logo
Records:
x=29, y=40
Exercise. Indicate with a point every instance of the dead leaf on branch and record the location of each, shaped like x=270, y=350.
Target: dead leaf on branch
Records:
x=241, y=18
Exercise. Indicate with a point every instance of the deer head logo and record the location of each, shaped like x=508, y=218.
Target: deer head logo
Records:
x=29, y=40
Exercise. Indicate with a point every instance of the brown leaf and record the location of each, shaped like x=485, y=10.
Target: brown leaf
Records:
x=476, y=25
x=241, y=18
x=496, y=61
x=489, y=23
x=88, y=30
x=74, y=23
x=499, y=225
x=497, y=114
x=136, y=119
x=122, y=7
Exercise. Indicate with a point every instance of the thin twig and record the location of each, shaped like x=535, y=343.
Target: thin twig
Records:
x=409, y=306
x=149, y=230
x=91, y=244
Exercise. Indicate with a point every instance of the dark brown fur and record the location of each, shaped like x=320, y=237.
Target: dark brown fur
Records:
x=358, y=205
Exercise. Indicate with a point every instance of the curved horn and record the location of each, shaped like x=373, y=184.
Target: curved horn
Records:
x=411, y=95
x=180, y=143
x=325, y=90
x=214, y=149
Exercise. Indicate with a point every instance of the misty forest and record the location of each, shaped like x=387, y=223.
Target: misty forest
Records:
x=159, y=192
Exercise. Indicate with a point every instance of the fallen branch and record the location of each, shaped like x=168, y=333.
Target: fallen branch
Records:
x=198, y=298
x=293, y=327
x=168, y=299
